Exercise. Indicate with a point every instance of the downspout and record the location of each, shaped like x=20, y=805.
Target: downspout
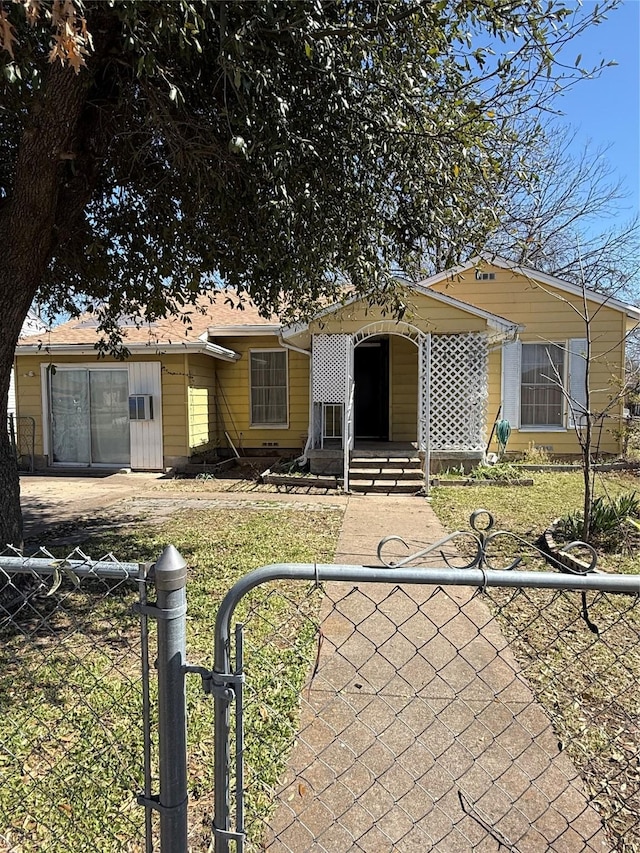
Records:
x=302, y=460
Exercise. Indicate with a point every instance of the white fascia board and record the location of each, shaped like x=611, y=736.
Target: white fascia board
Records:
x=203, y=347
x=293, y=330
x=216, y=351
x=241, y=331
x=530, y=273
x=55, y=349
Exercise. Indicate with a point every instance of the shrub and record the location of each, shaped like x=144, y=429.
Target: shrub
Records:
x=499, y=471
x=611, y=523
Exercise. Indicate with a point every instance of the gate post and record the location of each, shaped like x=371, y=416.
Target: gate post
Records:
x=170, y=576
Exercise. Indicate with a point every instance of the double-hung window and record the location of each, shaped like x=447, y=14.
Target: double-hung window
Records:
x=542, y=380
x=543, y=384
x=268, y=369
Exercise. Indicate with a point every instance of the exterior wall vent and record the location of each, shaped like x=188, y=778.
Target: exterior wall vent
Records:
x=271, y=444
x=485, y=276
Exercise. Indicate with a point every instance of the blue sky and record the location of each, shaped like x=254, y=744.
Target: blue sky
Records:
x=606, y=110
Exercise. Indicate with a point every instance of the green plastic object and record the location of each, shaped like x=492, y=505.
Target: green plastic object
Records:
x=503, y=432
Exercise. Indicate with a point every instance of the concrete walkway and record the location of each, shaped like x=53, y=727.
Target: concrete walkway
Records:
x=418, y=731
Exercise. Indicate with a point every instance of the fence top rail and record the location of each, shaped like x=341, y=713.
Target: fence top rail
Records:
x=469, y=577
x=47, y=567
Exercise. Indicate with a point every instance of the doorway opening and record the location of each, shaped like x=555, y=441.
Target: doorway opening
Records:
x=371, y=400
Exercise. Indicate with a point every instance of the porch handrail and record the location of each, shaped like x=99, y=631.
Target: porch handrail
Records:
x=347, y=434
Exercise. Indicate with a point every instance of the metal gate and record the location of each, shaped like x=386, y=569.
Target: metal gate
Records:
x=442, y=707
x=464, y=697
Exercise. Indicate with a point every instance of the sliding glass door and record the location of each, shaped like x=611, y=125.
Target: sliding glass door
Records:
x=90, y=416
x=109, y=417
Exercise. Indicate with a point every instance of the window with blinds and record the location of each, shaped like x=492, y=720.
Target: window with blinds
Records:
x=541, y=397
x=269, y=391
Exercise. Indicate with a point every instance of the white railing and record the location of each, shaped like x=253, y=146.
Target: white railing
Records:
x=347, y=440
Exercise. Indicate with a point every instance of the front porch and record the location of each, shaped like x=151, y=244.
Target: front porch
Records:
x=387, y=460
x=393, y=403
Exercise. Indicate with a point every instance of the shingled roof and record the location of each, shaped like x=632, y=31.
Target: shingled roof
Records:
x=218, y=308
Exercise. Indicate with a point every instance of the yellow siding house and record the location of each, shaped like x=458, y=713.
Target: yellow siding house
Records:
x=484, y=342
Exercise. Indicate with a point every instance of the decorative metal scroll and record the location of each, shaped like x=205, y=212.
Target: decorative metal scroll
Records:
x=483, y=538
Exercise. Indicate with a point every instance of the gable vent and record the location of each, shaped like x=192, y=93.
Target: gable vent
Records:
x=485, y=276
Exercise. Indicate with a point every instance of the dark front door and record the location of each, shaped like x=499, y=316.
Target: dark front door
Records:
x=371, y=401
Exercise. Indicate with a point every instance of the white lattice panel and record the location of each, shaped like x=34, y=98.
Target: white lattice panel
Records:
x=330, y=367
x=458, y=392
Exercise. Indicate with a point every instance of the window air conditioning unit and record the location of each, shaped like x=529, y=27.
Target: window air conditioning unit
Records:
x=141, y=407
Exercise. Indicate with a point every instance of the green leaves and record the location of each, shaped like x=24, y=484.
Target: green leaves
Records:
x=281, y=147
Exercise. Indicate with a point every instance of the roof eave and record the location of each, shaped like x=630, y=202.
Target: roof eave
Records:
x=216, y=351
x=507, y=329
x=293, y=330
x=244, y=330
x=204, y=347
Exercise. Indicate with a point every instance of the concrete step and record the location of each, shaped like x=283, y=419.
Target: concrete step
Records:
x=371, y=462
x=391, y=453
x=383, y=473
x=398, y=472
x=396, y=487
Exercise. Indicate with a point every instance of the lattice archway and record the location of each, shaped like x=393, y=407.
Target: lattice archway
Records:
x=389, y=327
x=400, y=329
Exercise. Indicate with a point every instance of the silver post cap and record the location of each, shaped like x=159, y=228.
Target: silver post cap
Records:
x=170, y=569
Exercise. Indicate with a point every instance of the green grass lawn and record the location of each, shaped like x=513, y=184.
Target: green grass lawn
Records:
x=70, y=691
x=71, y=737
x=526, y=510
x=586, y=682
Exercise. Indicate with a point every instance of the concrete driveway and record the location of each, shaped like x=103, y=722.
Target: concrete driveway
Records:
x=49, y=501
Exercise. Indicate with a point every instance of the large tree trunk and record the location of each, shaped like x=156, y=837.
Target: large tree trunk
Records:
x=28, y=235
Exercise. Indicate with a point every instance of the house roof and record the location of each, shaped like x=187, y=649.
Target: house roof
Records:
x=218, y=314
x=81, y=334
x=544, y=278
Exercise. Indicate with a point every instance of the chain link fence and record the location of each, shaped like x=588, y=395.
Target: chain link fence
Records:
x=433, y=715
x=73, y=731
x=452, y=707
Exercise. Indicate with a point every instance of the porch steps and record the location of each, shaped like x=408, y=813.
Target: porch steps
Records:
x=389, y=474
